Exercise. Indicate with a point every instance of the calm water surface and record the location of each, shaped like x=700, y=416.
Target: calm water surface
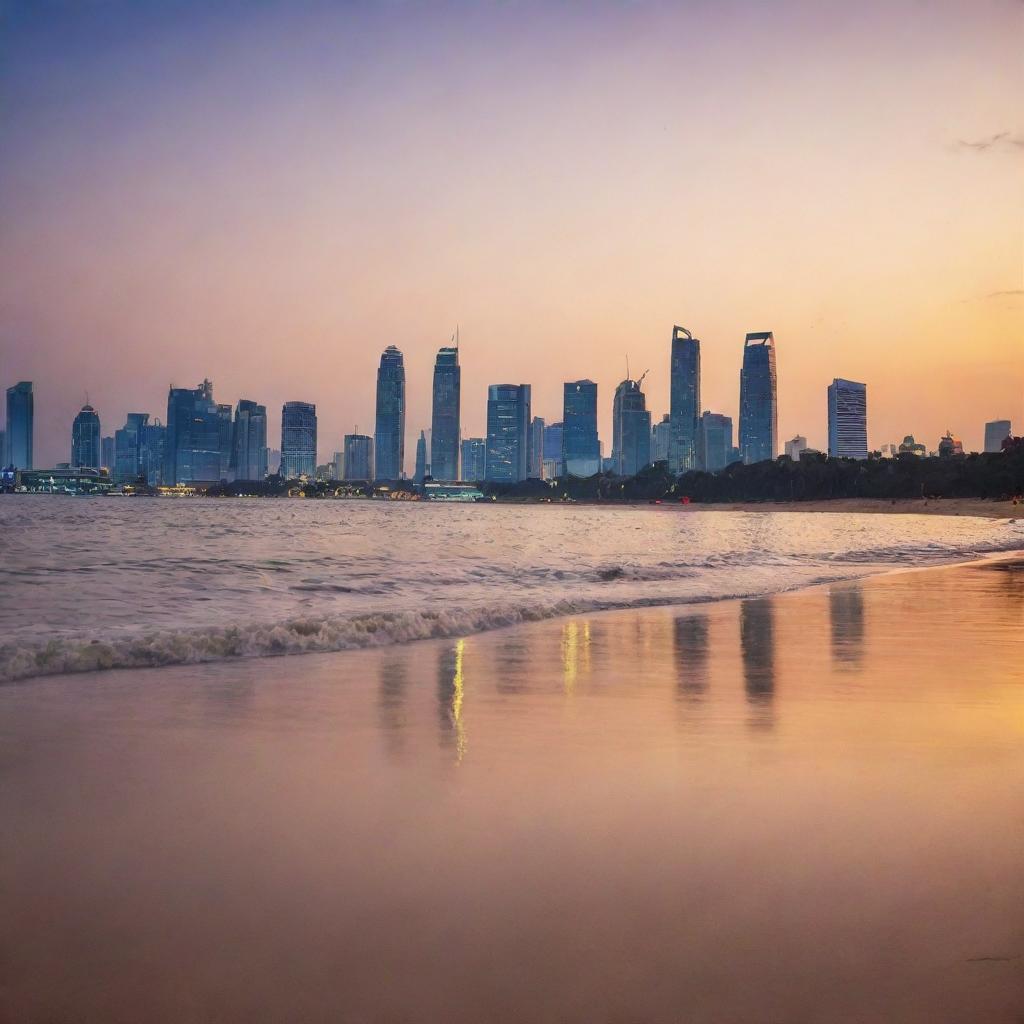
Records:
x=795, y=808
x=93, y=583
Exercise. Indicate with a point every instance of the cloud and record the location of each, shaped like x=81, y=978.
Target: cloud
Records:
x=1005, y=141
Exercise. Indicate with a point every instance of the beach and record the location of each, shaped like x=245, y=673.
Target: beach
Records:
x=795, y=807
x=902, y=506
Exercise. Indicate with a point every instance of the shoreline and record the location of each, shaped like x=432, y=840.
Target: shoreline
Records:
x=978, y=507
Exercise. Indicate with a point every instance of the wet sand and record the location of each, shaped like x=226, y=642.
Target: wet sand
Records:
x=903, y=506
x=804, y=808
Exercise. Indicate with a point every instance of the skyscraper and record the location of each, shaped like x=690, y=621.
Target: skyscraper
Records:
x=631, y=429
x=553, y=465
x=847, y=419
x=508, y=432
x=684, y=402
x=152, y=452
x=581, y=451
x=474, y=458
x=535, y=461
x=197, y=447
x=298, y=439
x=715, y=440
x=422, y=469
x=20, y=424
x=444, y=439
x=107, y=453
x=759, y=414
x=85, y=439
x=661, y=439
x=128, y=443
x=996, y=432
x=389, y=434
x=249, y=441
x=358, y=457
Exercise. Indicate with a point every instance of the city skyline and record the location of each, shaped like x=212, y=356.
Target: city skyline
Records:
x=813, y=199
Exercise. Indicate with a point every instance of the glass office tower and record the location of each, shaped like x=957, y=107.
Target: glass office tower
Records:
x=508, y=433
x=389, y=432
x=631, y=430
x=85, y=439
x=298, y=439
x=20, y=425
x=581, y=450
x=847, y=419
x=759, y=414
x=445, y=425
x=684, y=402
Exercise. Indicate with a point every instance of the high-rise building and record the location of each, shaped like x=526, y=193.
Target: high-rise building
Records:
x=20, y=425
x=274, y=461
x=909, y=446
x=535, y=459
x=631, y=429
x=128, y=444
x=759, y=412
x=422, y=470
x=795, y=446
x=581, y=450
x=338, y=466
x=684, y=402
x=950, y=445
x=716, y=441
x=445, y=422
x=508, y=432
x=107, y=453
x=249, y=441
x=847, y=419
x=197, y=448
x=661, y=438
x=389, y=433
x=474, y=458
x=85, y=439
x=996, y=432
x=358, y=457
x=298, y=439
x=553, y=465
x=3, y=447
x=152, y=452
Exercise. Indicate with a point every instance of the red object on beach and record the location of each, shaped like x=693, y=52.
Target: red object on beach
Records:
x=684, y=501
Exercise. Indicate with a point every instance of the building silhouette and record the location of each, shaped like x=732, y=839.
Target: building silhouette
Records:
x=795, y=446
x=950, y=445
x=581, y=450
x=847, y=419
x=908, y=446
x=249, y=441
x=996, y=432
x=474, y=451
x=422, y=470
x=358, y=457
x=553, y=465
x=661, y=439
x=85, y=439
x=715, y=441
x=445, y=421
x=197, y=446
x=508, y=433
x=389, y=432
x=631, y=429
x=759, y=414
x=107, y=453
x=535, y=459
x=20, y=425
x=684, y=402
x=298, y=439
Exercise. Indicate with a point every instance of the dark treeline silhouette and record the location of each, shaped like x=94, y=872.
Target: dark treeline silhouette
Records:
x=815, y=477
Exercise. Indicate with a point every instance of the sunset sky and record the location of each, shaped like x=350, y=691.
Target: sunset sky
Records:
x=268, y=194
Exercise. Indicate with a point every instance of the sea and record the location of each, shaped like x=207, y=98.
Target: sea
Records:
x=101, y=583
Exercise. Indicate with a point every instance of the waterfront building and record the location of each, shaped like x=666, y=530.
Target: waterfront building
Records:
x=249, y=441
x=422, y=470
x=474, y=461
x=508, y=433
x=20, y=425
x=128, y=443
x=535, y=458
x=847, y=419
x=661, y=439
x=198, y=440
x=553, y=466
x=684, y=401
x=631, y=429
x=581, y=450
x=107, y=453
x=358, y=457
x=152, y=452
x=274, y=461
x=996, y=432
x=911, y=447
x=298, y=439
x=389, y=432
x=795, y=446
x=445, y=421
x=85, y=439
x=759, y=413
x=950, y=445
x=716, y=441
x=338, y=466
